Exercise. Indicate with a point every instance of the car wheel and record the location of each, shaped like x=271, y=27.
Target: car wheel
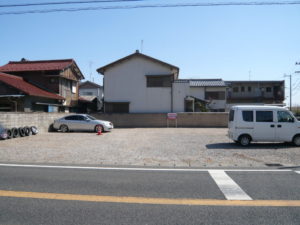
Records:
x=296, y=140
x=99, y=128
x=64, y=128
x=244, y=140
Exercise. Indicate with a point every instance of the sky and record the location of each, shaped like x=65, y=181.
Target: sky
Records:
x=228, y=42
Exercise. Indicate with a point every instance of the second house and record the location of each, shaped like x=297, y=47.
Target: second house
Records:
x=139, y=83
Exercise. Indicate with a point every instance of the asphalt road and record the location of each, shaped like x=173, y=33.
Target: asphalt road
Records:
x=39, y=195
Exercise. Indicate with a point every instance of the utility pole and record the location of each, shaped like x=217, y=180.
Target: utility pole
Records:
x=297, y=64
x=290, y=76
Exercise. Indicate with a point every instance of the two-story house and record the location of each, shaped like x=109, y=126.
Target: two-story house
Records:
x=59, y=77
x=138, y=83
x=91, y=95
x=141, y=84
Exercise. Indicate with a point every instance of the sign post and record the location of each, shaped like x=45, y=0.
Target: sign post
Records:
x=171, y=116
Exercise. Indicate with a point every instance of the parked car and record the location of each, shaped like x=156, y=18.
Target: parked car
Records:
x=263, y=124
x=3, y=133
x=81, y=122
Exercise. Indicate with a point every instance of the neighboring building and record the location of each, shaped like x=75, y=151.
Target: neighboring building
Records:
x=19, y=95
x=138, y=84
x=89, y=88
x=141, y=84
x=255, y=92
x=91, y=96
x=59, y=77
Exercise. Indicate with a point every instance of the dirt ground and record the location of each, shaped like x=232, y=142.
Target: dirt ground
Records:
x=165, y=147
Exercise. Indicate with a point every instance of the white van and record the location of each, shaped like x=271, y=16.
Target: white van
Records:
x=262, y=124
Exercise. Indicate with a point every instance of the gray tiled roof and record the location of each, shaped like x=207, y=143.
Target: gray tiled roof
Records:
x=207, y=83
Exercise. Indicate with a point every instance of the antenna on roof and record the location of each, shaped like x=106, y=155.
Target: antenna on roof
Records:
x=90, y=66
x=142, y=43
x=249, y=74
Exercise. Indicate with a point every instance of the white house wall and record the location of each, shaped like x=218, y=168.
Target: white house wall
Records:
x=126, y=82
x=217, y=104
x=197, y=92
x=180, y=91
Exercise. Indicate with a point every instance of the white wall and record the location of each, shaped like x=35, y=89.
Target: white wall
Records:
x=217, y=104
x=126, y=81
x=180, y=91
x=198, y=92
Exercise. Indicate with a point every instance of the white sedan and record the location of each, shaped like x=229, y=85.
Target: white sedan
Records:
x=81, y=122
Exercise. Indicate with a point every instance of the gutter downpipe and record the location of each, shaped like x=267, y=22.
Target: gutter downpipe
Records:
x=172, y=96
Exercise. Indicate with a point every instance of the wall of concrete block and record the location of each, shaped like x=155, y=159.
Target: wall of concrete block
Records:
x=208, y=119
x=43, y=120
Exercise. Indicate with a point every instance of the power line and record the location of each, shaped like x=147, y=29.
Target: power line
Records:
x=65, y=3
x=151, y=6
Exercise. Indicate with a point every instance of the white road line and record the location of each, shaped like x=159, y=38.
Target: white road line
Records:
x=139, y=169
x=230, y=189
x=297, y=172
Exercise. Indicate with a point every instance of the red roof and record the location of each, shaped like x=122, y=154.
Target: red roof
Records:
x=19, y=66
x=27, y=88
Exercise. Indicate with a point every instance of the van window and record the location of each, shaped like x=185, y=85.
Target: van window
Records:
x=248, y=116
x=231, y=115
x=264, y=116
x=284, y=117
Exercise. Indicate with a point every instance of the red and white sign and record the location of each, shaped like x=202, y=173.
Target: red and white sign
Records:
x=172, y=116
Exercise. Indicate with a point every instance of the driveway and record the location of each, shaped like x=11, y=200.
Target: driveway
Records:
x=166, y=147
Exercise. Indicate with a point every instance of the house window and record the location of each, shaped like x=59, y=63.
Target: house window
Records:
x=242, y=89
x=117, y=107
x=73, y=87
x=53, y=80
x=215, y=95
x=268, y=89
x=235, y=89
x=87, y=93
x=159, y=81
x=264, y=116
x=249, y=89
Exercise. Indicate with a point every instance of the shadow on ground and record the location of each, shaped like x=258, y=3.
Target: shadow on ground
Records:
x=257, y=146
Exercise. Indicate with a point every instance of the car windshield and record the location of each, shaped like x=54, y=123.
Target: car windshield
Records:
x=90, y=117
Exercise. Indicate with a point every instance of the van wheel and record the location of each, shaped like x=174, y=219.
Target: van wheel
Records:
x=244, y=140
x=296, y=140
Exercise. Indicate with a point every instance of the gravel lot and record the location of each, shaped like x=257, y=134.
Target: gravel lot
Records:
x=166, y=147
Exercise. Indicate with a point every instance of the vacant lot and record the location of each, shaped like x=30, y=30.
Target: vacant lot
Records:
x=171, y=147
